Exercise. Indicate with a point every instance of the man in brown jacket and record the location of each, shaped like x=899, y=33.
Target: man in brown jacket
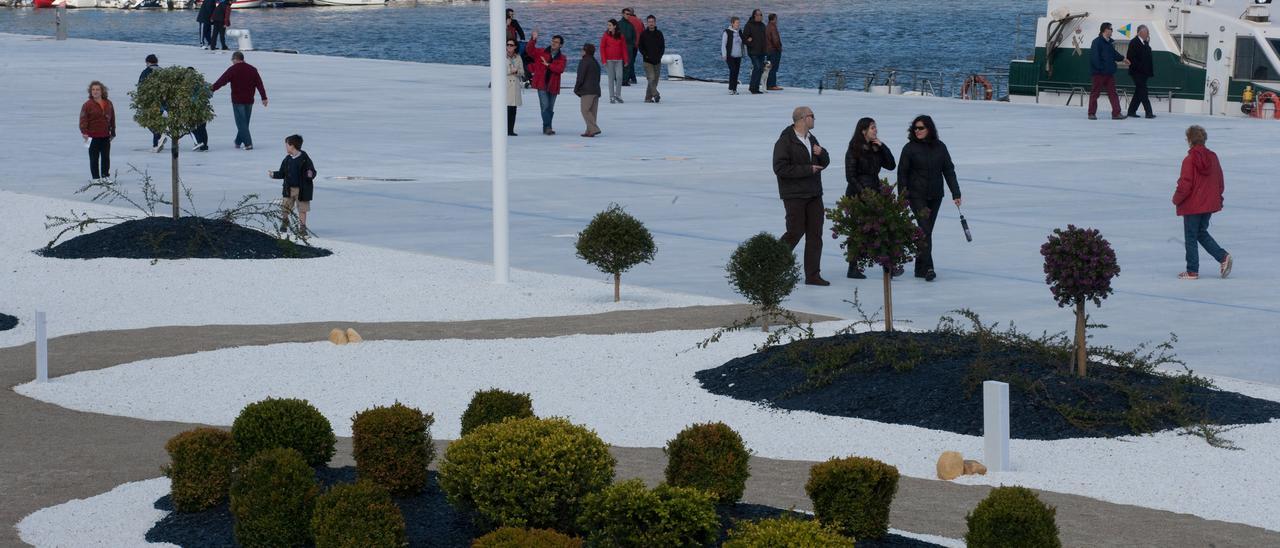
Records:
x=773, y=51
x=798, y=161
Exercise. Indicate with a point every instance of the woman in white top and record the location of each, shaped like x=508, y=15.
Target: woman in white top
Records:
x=515, y=81
x=731, y=49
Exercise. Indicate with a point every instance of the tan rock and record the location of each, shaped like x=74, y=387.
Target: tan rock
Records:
x=337, y=336
x=972, y=467
x=950, y=465
x=353, y=337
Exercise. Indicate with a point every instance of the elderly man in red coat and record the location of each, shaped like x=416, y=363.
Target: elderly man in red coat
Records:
x=547, y=66
x=1198, y=197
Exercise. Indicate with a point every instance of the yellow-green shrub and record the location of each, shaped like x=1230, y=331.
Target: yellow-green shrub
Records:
x=629, y=515
x=710, y=457
x=199, y=472
x=357, y=515
x=853, y=495
x=1012, y=516
x=786, y=532
x=512, y=537
x=392, y=447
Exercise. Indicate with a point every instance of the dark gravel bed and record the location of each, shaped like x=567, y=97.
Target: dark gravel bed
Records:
x=184, y=238
x=429, y=519
x=7, y=322
x=943, y=390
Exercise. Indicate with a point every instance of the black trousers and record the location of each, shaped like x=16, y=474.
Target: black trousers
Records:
x=206, y=34
x=100, y=157
x=735, y=66
x=201, y=134
x=219, y=34
x=1139, y=96
x=511, y=120
x=926, y=212
x=804, y=220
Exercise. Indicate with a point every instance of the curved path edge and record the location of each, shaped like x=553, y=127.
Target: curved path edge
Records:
x=51, y=454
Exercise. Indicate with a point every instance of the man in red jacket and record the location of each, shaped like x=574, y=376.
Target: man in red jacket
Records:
x=547, y=66
x=1198, y=197
x=244, y=79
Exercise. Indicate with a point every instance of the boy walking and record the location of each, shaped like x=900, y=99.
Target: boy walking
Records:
x=299, y=182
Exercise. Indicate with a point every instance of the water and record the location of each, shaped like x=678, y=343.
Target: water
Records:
x=952, y=36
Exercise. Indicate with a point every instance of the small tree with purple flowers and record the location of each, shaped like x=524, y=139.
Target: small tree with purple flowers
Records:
x=879, y=229
x=1078, y=266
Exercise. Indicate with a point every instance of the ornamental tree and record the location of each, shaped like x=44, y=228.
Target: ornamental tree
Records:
x=763, y=269
x=172, y=101
x=614, y=242
x=878, y=229
x=1078, y=266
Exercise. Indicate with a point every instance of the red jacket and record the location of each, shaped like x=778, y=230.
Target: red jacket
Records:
x=98, y=120
x=243, y=79
x=638, y=25
x=1200, y=186
x=613, y=48
x=541, y=72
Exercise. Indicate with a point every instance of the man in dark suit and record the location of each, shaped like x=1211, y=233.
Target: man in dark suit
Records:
x=1141, y=69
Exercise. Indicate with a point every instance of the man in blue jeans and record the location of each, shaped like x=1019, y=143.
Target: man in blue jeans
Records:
x=547, y=66
x=244, y=80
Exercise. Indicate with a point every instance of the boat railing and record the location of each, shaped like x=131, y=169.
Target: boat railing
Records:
x=1081, y=90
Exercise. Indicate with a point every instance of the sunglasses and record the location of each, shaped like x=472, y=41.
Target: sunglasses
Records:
x=920, y=128
x=511, y=45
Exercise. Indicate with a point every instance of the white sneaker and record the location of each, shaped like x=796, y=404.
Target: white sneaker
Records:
x=160, y=146
x=1225, y=267
x=197, y=147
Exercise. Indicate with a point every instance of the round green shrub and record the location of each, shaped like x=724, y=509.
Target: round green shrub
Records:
x=853, y=495
x=357, y=515
x=786, y=532
x=710, y=457
x=392, y=447
x=1012, y=516
x=763, y=269
x=291, y=423
x=492, y=406
x=526, y=473
x=199, y=472
x=512, y=537
x=272, y=498
x=628, y=515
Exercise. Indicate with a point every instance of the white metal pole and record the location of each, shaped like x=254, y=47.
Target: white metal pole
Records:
x=995, y=425
x=498, y=136
x=42, y=349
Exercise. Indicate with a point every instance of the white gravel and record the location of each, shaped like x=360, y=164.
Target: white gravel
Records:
x=639, y=390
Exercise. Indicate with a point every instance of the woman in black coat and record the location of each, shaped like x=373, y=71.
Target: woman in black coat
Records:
x=863, y=161
x=922, y=167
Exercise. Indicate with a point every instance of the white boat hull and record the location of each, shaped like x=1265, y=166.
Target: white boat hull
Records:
x=242, y=4
x=349, y=2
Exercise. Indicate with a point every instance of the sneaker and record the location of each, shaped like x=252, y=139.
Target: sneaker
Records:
x=248, y=147
x=199, y=146
x=657, y=99
x=1225, y=267
x=620, y=100
x=733, y=92
x=1189, y=276
x=160, y=145
x=1093, y=117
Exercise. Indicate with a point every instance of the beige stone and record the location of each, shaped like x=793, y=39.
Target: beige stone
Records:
x=337, y=336
x=950, y=465
x=972, y=467
x=353, y=337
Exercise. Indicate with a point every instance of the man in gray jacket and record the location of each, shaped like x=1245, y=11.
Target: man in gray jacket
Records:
x=798, y=161
x=587, y=87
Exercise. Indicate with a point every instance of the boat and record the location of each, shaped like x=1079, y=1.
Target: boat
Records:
x=349, y=2
x=1215, y=57
x=243, y=4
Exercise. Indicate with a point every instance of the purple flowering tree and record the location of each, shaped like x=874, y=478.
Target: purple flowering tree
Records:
x=1078, y=266
x=878, y=229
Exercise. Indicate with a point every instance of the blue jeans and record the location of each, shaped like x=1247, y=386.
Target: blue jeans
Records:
x=757, y=70
x=548, y=103
x=1196, y=233
x=242, y=114
x=775, y=59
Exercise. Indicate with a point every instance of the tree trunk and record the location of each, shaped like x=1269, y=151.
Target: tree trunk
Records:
x=173, y=154
x=764, y=319
x=617, y=287
x=1081, y=354
x=888, y=300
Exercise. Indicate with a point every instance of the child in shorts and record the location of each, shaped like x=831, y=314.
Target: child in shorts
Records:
x=299, y=175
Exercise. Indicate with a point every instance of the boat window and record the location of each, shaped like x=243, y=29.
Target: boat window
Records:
x=1252, y=62
x=1194, y=48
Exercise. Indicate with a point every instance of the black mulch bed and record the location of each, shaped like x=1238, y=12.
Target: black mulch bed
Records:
x=184, y=238
x=7, y=322
x=943, y=391
x=429, y=520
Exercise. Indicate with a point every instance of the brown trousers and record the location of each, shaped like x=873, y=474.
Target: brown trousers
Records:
x=804, y=220
x=590, y=106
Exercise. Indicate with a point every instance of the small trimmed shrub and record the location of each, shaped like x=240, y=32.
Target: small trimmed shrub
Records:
x=614, y=242
x=1078, y=266
x=853, y=495
x=879, y=229
x=392, y=447
x=492, y=406
x=786, y=532
x=710, y=457
x=272, y=498
x=763, y=269
x=1012, y=516
x=629, y=515
x=201, y=462
x=291, y=423
x=357, y=515
x=526, y=473
x=512, y=537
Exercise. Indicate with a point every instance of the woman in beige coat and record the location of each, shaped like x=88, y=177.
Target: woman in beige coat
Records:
x=515, y=82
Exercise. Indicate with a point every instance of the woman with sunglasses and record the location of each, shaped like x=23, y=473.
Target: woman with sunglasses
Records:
x=922, y=167
x=515, y=81
x=863, y=161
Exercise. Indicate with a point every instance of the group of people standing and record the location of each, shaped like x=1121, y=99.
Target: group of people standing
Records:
x=214, y=18
x=923, y=168
x=759, y=42
x=624, y=42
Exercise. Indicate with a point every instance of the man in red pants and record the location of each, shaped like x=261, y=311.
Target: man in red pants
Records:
x=1102, y=64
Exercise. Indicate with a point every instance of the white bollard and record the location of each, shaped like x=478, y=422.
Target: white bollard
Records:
x=675, y=65
x=244, y=41
x=995, y=425
x=42, y=349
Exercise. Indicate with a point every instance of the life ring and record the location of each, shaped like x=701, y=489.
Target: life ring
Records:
x=975, y=79
x=1275, y=103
